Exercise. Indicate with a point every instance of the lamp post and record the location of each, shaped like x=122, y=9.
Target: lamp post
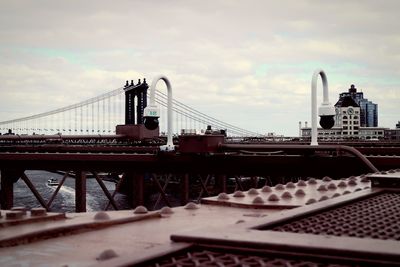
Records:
x=151, y=112
x=326, y=111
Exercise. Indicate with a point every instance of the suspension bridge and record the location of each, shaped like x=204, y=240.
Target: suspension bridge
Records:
x=116, y=123
x=101, y=114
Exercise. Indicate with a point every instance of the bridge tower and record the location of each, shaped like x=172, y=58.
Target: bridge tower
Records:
x=140, y=92
x=135, y=103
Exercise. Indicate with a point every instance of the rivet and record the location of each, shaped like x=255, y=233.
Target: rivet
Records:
x=23, y=209
x=238, y=194
x=357, y=189
x=107, y=254
x=191, y=206
x=383, y=172
x=14, y=215
x=279, y=187
x=140, y=210
x=342, y=184
x=290, y=185
x=273, y=197
x=346, y=192
x=300, y=192
x=323, y=198
x=266, y=189
x=367, y=187
x=286, y=194
x=391, y=171
x=312, y=181
x=166, y=210
x=223, y=196
x=310, y=201
x=352, y=182
x=258, y=200
x=352, y=178
x=252, y=191
x=301, y=183
x=332, y=186
x=322, y=188
x=239, y=221
x=336, y=195
x=327, y=179
x=101, y=216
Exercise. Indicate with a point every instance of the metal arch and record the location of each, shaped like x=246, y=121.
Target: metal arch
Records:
x=314, y=125
x=170, y=143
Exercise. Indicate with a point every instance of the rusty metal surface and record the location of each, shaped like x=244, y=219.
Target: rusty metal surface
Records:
x=388, y=179
x=200, y=256
x=291, y=195
x=20, y=216
x=29, y=228
x=369, y=251
x=86, y=238
x=221, y=232
x=375, y=217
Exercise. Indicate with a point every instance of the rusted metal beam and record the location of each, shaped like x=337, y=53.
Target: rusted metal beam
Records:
x=167, y=179
x=105, y=190
x=302, y=149
x=218, y=163
x=57, y=189
x=160, y=189
x=34, y=191
x=117, y=188
x=203, y=186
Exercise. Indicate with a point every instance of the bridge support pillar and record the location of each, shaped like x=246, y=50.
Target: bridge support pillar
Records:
x=133, y=187
x=8, y=178
x=80, y=191
x=7, y=192
x=220, y=183
x=138, y=190
x=185, y=189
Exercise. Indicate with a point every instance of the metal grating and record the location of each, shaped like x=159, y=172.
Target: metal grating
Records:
x=208, y=257
x=375, y=217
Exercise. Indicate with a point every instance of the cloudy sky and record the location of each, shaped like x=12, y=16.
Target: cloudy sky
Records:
x=248, y=63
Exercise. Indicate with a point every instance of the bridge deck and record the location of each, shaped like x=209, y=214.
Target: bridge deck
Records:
x=221, y=232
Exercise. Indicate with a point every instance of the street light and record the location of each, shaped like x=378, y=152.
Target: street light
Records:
x=152, y=112
x=326, y=111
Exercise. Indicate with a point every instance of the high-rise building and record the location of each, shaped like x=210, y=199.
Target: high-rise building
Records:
x=368, y=109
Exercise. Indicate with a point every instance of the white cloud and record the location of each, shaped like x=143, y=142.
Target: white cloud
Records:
x=222, y=57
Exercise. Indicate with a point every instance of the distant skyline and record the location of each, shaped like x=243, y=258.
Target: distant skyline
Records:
x=248, y=63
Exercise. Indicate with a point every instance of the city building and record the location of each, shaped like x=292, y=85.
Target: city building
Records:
x=347, y=116
x=368, y=109
x=356, y=118
x=393, y=134
x=364, y=133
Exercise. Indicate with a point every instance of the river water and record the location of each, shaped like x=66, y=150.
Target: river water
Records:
x=65, y=199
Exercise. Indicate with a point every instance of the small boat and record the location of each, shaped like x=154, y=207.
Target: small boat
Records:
x=52, y=182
